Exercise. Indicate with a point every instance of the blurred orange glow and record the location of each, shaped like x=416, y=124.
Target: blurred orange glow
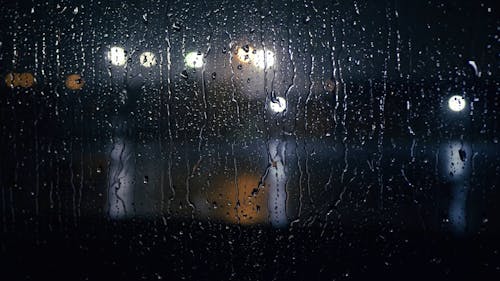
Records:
x=245, y=54
x=250, y=210
x=74, y=82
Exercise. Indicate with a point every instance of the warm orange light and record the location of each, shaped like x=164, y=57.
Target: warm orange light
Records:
x=261, y=59
x=74, y=82
x=24, y=80
x=252, y=209
x=245, y=54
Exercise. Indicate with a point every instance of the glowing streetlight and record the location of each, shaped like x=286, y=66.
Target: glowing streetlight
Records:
x=245, y=54
x=456, y=103
x=278, y=106
x=264, y=59
x=117, y=56
x=148, y=59
x=259, y=58
x=194, y=60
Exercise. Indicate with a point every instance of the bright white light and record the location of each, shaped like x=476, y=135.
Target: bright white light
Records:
x=278, y=106
x=456, y=103
x=116, y=55
x=194, y=60
x=245, y=56
x=148, y=59
x=263, y=59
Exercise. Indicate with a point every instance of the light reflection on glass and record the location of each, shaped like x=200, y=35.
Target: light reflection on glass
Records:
x=258, y=58
x=121, y=180
x=244, y=55
x=278, y=106
x=276, y=182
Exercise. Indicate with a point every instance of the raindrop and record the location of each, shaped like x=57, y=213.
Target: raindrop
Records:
x=474, y=66
x=184, y=74
x=176, y=26
x=462, y=154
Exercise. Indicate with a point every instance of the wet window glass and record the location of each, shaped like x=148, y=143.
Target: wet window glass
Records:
x=262, y=140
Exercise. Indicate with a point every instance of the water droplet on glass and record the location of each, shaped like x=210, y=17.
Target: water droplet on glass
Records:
x=184, y=74
x=476, y=69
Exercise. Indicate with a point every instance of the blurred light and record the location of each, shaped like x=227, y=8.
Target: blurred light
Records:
x=258, y=58
x=245, y=54
x=264, y=59
x=121, y=180
x=116, y=55
x=194, y=60
x=276, y=184
x=74, y=82
x=148, y=59
x=457, y=160
x=235, y=200
x=24, y=80
x=457, y=210
x=456, y=103
x=10, y=80
x=279, y=105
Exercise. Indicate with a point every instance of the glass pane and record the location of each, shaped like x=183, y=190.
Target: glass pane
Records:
x=256, y=140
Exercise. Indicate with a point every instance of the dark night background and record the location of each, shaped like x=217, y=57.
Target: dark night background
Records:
x=174, y=172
